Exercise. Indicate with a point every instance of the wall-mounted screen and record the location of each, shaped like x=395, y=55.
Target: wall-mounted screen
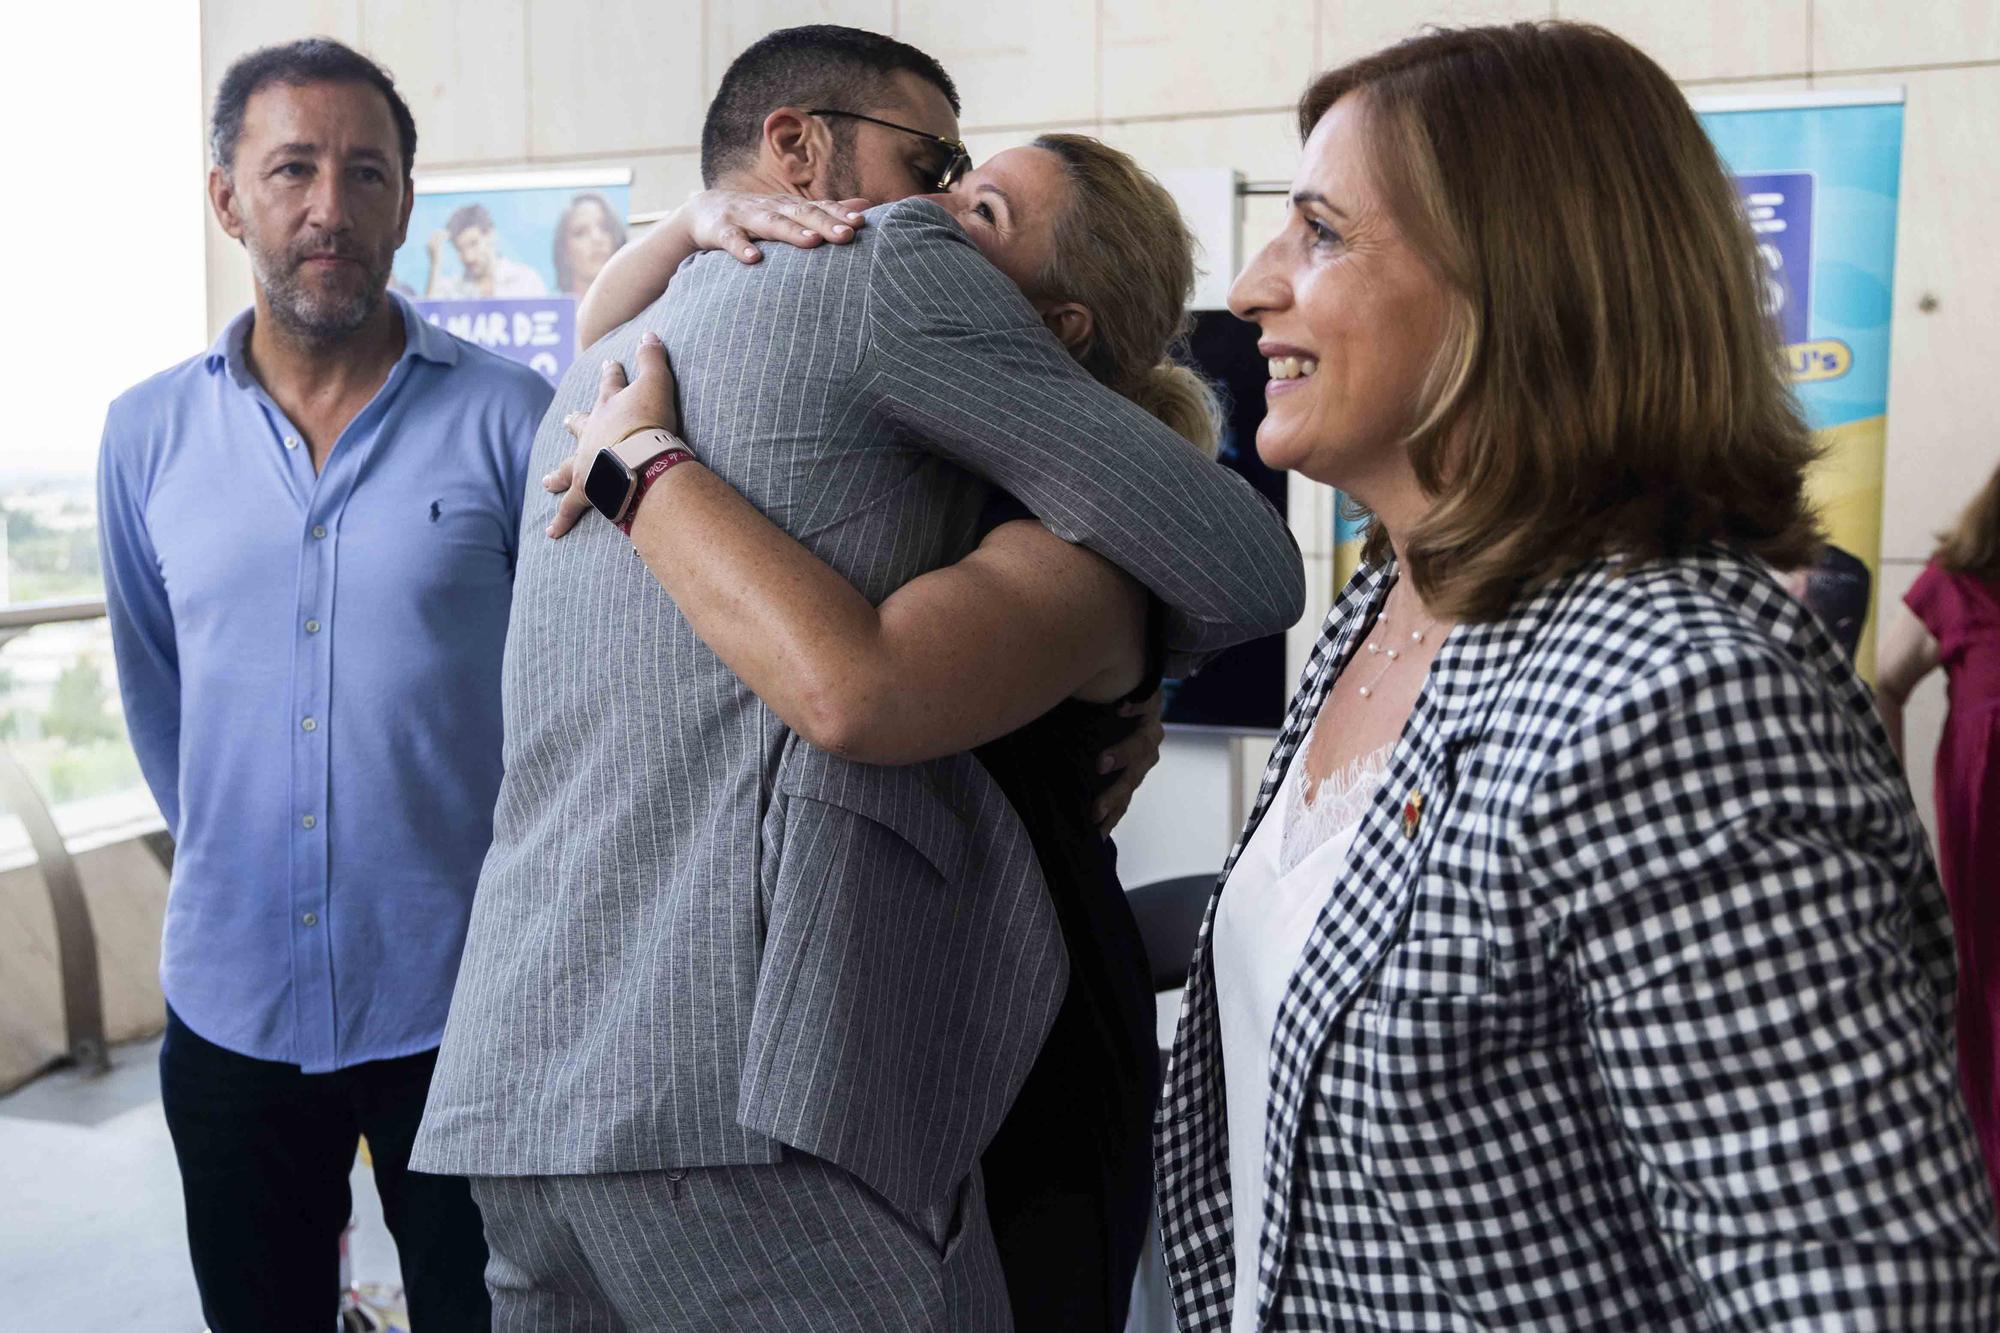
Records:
x=1243, y=689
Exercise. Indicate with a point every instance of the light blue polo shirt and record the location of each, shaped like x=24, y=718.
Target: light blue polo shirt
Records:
x=310, y=668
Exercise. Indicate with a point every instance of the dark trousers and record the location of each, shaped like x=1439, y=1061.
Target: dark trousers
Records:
x=1069, y=1174
x=265, y=1152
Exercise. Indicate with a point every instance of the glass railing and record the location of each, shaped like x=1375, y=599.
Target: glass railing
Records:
x=59, y=714
x=68, y=779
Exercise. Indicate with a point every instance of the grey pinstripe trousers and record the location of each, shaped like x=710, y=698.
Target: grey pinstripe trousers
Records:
x=799, y=1246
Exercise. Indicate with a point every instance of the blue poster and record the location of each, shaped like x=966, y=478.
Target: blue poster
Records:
x=1779, y=205
x=1819, y=175
x=501, y=260
x=539, y=332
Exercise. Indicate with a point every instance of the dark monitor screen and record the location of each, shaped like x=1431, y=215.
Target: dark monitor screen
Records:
x=1244, y=688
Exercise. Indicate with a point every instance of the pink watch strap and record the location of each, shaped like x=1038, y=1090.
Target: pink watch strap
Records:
x=652, y=472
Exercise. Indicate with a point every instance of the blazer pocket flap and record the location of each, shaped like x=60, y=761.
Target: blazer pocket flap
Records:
x=902, y=799
x=1433, y=967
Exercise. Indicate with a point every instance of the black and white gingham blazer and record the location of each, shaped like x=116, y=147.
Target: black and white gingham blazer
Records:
x=1632, y=1009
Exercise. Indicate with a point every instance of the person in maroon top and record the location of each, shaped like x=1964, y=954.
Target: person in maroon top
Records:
x=1951, y=618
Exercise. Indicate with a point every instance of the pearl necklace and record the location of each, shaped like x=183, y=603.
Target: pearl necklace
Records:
x=1390, y=655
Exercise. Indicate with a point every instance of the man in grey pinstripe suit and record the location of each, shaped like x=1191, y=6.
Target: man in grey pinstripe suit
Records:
x=736, y=1017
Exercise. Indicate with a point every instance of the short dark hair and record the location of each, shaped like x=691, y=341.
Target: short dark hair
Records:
x=311, y=60
x=465, y=217
x=820, y=64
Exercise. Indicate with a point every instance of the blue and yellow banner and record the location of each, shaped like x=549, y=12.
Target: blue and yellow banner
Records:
x=1819, y=174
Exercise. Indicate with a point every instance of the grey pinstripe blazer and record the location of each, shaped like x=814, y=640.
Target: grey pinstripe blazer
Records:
x=696, y=937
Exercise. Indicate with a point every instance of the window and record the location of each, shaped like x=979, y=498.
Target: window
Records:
x=102, y=237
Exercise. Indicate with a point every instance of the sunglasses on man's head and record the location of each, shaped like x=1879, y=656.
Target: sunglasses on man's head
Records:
x=956, y=164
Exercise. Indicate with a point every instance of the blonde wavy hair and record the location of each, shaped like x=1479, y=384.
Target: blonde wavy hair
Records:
x=1122, y=250
x=1610, y=383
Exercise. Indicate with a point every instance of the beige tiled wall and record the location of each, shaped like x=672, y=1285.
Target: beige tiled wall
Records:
x=1025, y=62
x=1944, y=411
x=1899, y=34
x=452, y=54
x=507, y=83
x=1185, y=58
x=1710, y=39
x=1351, y=28
x=614, y=76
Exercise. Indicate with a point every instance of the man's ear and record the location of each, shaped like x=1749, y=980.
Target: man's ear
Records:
x=222, y=198
x=1071, y=323
x=409, y=202
x=796, y=147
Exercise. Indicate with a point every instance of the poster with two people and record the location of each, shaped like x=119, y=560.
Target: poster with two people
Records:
x=502, y=259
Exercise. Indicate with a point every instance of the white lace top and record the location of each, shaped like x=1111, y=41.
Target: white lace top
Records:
x=1262, y=921
x=1335, y=805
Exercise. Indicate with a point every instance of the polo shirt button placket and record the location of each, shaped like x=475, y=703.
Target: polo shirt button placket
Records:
x=313, y=687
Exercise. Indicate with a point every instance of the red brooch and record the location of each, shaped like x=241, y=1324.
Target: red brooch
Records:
x=1413, y=811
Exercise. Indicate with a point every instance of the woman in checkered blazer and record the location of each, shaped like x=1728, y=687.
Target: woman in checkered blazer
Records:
x=1582, y=964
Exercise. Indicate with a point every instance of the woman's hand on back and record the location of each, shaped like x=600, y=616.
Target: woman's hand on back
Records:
x=729, y=220
x=623, y=408
x=725, y=220
x=1131, y=759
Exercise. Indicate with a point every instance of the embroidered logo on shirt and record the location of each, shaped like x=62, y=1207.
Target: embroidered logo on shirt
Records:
x=1413, y=811
x=437, y=507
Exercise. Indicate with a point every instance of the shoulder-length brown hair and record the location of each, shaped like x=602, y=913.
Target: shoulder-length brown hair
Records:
x=1610, y=383
x=1972, y=546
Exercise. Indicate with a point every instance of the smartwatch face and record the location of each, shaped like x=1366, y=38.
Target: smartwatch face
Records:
x=608, y=485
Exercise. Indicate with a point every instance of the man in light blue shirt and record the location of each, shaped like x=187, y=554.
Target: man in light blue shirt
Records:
x=309, y=538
